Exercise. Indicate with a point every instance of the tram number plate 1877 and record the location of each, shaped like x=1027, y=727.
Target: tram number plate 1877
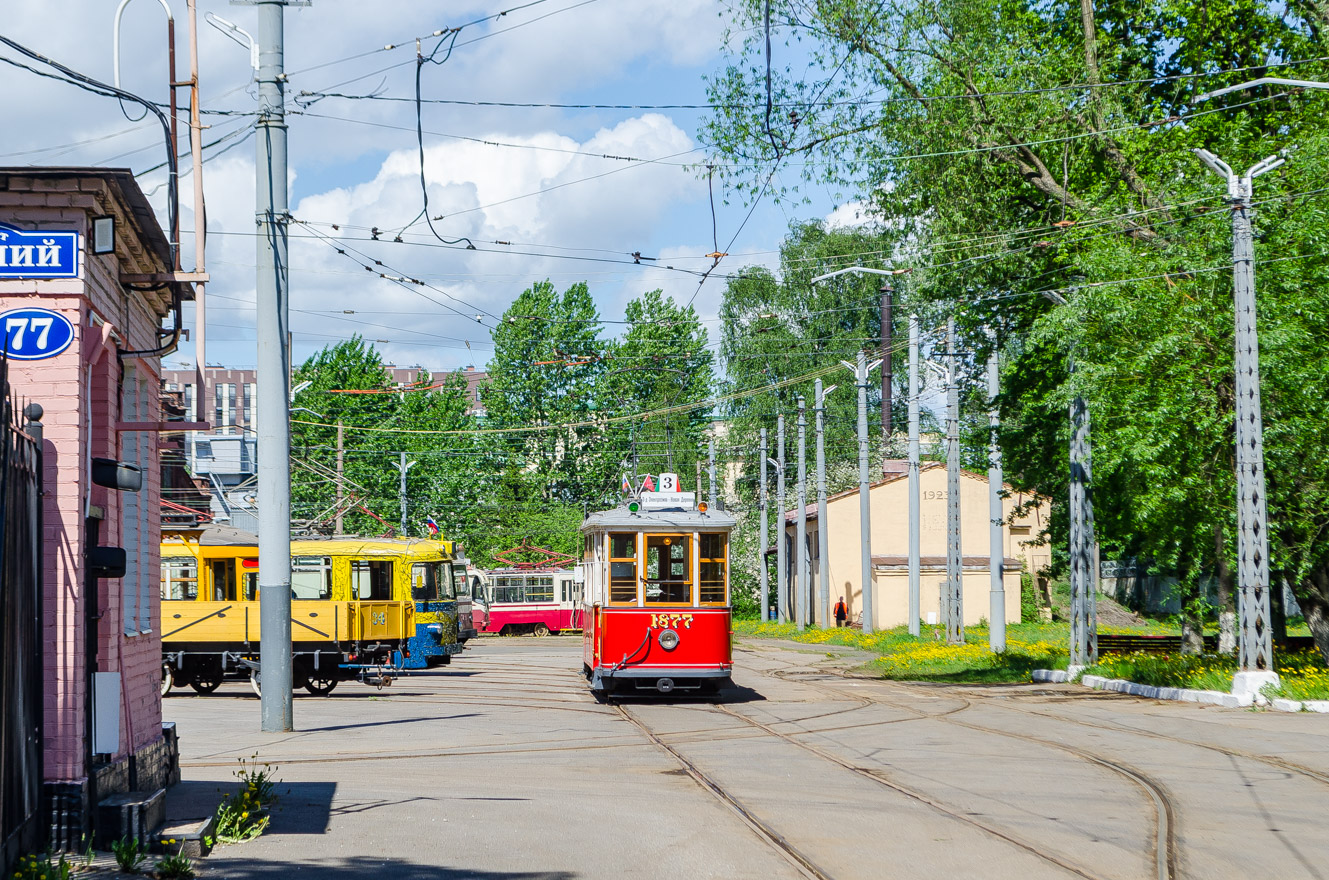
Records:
x=672, y=620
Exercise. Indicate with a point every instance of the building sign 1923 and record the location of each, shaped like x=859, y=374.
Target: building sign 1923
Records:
x=41, y=254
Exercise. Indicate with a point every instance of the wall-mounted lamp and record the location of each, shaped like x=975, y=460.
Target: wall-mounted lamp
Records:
x=103, y=235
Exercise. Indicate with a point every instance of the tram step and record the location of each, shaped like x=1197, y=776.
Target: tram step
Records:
x=192, y=839
x=135, y=814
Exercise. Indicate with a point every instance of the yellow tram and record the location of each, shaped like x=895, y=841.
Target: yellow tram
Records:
x=363, y=608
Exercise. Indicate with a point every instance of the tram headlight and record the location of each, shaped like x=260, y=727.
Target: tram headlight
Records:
x=668, y=639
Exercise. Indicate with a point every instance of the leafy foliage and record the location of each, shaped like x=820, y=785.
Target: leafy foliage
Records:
x=1032, y=164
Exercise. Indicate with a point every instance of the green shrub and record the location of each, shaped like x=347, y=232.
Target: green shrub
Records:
x=129, y=854
x=176, y=867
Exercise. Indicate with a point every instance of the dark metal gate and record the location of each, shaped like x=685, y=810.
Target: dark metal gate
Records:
x=21, y=652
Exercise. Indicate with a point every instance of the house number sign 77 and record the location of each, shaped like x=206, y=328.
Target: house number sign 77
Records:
x=34, y=334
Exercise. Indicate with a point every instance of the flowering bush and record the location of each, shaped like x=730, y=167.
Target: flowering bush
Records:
x=243, y=815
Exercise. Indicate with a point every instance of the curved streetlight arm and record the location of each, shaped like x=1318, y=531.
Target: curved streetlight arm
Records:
x=115, y=35
x=1263, y=81
x=859, y=269
x=235, y=32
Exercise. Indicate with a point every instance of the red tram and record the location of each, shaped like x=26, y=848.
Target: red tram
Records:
x=657, y=596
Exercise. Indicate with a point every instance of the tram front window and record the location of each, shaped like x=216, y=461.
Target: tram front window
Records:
x=223, y=580
x=668, y=570
x=424, y=586
x=623, y=569
x=371, y=579
x=311, y=577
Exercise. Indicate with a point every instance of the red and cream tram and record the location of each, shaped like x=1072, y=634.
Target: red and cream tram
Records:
x=657, y=596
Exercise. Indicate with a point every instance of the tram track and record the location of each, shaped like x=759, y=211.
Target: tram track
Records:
x=1166, y=849
x=1270, y=760
x=770, y=836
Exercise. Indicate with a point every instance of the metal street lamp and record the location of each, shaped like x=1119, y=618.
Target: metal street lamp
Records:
x=887, y=374
x=1254, y=646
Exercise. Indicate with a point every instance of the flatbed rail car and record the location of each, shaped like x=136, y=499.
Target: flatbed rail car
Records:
x=657, y=605
x=360, y=608
x=534, y=601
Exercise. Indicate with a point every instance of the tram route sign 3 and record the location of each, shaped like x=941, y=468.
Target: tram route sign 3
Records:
x=668, y=495
x=41, y=254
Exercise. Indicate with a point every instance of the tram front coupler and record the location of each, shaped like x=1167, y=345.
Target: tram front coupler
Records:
x=377, y=676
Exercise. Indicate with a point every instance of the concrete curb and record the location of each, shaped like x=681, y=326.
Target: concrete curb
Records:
x=1184, y=695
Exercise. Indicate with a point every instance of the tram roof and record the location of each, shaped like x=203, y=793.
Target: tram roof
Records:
x=687, y=520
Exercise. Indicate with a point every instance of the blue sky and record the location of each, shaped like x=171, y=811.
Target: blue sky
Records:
x=359, y=168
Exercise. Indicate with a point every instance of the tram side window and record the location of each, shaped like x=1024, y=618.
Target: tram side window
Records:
x=623, y=569
x=179, y=579
x=371, y=579
x=424, y=586
x=539, y=589
x=311, y=577
x=508, y=589
x=712, y=559
x=223, y=580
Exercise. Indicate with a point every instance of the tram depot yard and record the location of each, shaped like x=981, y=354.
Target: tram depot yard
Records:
x=504, y=765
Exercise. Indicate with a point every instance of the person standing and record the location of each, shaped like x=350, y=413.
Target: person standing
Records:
x=840, y=613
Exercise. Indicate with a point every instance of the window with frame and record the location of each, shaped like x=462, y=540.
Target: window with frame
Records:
x=179, y=578
x=623, y=569
x=424, y=582
x=311, y=577
x=371, y=579
x=712, y=558
x=447, y=581
x=540, y=588
x=223, y=580
x=461, y=583
x=668, y=576
x=508, y=589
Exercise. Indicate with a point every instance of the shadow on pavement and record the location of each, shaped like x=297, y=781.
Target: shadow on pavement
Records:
x=358, y=868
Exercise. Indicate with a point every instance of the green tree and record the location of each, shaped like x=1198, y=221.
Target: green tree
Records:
x=660, y=368
x=1013, y=149
x=547, y=359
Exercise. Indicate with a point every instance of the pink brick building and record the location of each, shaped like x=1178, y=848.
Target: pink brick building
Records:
x=100, y=397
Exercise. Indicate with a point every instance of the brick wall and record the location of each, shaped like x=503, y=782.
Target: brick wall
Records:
x=82, y=393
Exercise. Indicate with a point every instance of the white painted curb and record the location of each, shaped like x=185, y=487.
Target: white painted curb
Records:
x=1185, y=695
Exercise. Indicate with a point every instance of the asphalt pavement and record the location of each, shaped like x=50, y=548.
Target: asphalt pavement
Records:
x=504, y=766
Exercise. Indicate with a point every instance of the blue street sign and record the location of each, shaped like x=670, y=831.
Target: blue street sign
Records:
x=40, y=254
x=33, y=334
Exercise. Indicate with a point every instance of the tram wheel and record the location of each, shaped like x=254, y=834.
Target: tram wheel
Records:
x=541, y=630
x=168, y=679
x=205, y=681
x=320, y=685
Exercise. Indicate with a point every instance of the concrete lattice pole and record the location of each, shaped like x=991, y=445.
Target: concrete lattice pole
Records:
x=996, y=534
x=761, y=550
x=953, y=606
x=781, y=532
x=823, y=557
x=802, y=592
x=914, y=492
x=1084, y=599
x=272, y=320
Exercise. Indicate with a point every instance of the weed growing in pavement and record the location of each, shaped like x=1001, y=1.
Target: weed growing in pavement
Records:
x=42, y=867
x=176, y=867
x=244, y=814
x=129, y=854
